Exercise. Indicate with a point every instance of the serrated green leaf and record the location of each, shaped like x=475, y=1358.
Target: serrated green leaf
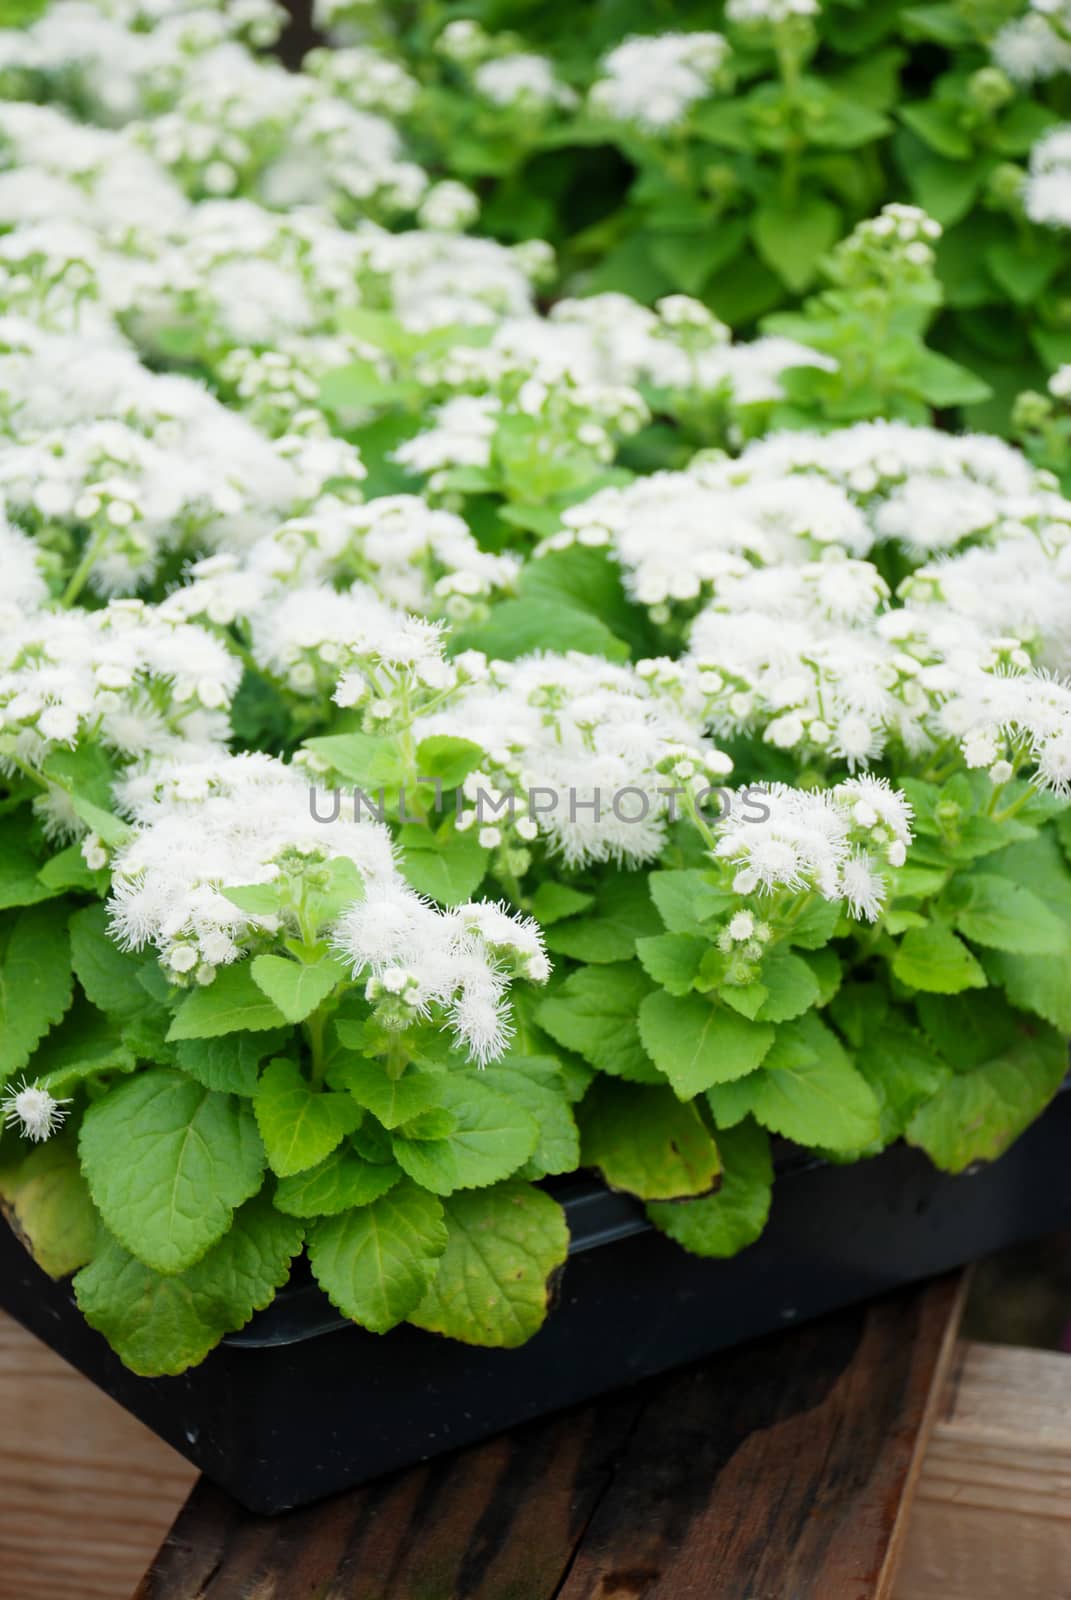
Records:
x=295, y=988
x=392, y=1100
x=109, y=976
x=493, y=1136
x=792, y=987
x=20, y=881
x=536, y=1083
x=447, y=759
x=725, y=1222
x=446, y=865
x=376, y=1263
x=976, y=1115
x=517, y=627
x=643, y=1139
x=162, y=1325
x=904, y=1070
x=808, y=1090
x=936, y=960
x=594, y=1013
x=45, y=1199
x=168, y=1162
x=232, y=1002
x=553, y=901
x=300, y=1125
x=697, y=1044
x=991, y=910
x=338, y=1183
x=622, y=914
x=672, y=959
x=35, y=981
x=685, y=899
x=492, y=1285
x=229, y=1063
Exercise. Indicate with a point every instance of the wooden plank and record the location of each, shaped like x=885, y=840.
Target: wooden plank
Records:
x=781, y=1469
x=86, y=1492
x=992, y=1516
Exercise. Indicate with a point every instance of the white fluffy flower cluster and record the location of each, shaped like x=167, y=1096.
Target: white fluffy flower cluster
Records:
x=654, y=80
x=421, y=960
x=1037, y=45
x=834, y=842
x=1047, y=189
x=593, y=756
x=126, y=676
x=678, y=535
x=768, y=13
x=219, y=117
x=224, y=823
x=521, y=79
x=140, y=466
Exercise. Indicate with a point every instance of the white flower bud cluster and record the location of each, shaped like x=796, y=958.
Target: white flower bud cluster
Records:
x=595, y=758
x=1047, y=190
x=126, y=675
x=836, y=843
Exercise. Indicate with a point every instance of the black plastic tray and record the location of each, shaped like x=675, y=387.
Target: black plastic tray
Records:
x=301, y=1404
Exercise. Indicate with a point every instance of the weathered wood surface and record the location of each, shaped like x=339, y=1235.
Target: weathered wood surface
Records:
x=86, y=1492
x=992, y=1514
x=781, y=1471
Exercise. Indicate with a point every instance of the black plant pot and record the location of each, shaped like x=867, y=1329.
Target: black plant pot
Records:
x=301, y=1404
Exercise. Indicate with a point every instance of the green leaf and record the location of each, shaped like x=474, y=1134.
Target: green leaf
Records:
x=685, y=899
x=45, y=1199
x=935, y=960
x=160, y=1326
x=672, y=959
x=447, y=760
x=623, y=913
x=446, y=865
x=295, y=988
x=370, y=760
x=493, y=1136
x=167, y=1162
x=35, y=981
x=976, y=1115
x=392, y=1100
x=809, y=1091
x=937, y=124
x=492, y=1286
x=339, y=1182
x=517, y=627
x=20, y=883
x=904, y=1071
x=230, y=1003
x=793, y=240
x=792, y=985
x=723, y=1223
x=535, y=1082
x=377, y=1262
x=697, y=1044
x=86, y=1044
x=594, y=1013
x=646, y=1141
x=229, y=1063
x=553, y=901
x=1041, y=984
x=109, y=976
x=991, y=910
x=300, y=1125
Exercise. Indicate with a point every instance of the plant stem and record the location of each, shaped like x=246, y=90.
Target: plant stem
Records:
x=81, y=572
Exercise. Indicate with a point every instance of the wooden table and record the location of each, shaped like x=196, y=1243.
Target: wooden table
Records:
x=870, y=1456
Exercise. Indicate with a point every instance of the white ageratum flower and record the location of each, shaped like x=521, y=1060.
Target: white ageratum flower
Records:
x=1047, y=190
x=454, y=963
x=32, y=1110
x=654, y=80
x=597, y=758
x=831, y=842
x=1037, y=46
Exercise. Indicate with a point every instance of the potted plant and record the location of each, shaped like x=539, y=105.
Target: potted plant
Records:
x=517, y=824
